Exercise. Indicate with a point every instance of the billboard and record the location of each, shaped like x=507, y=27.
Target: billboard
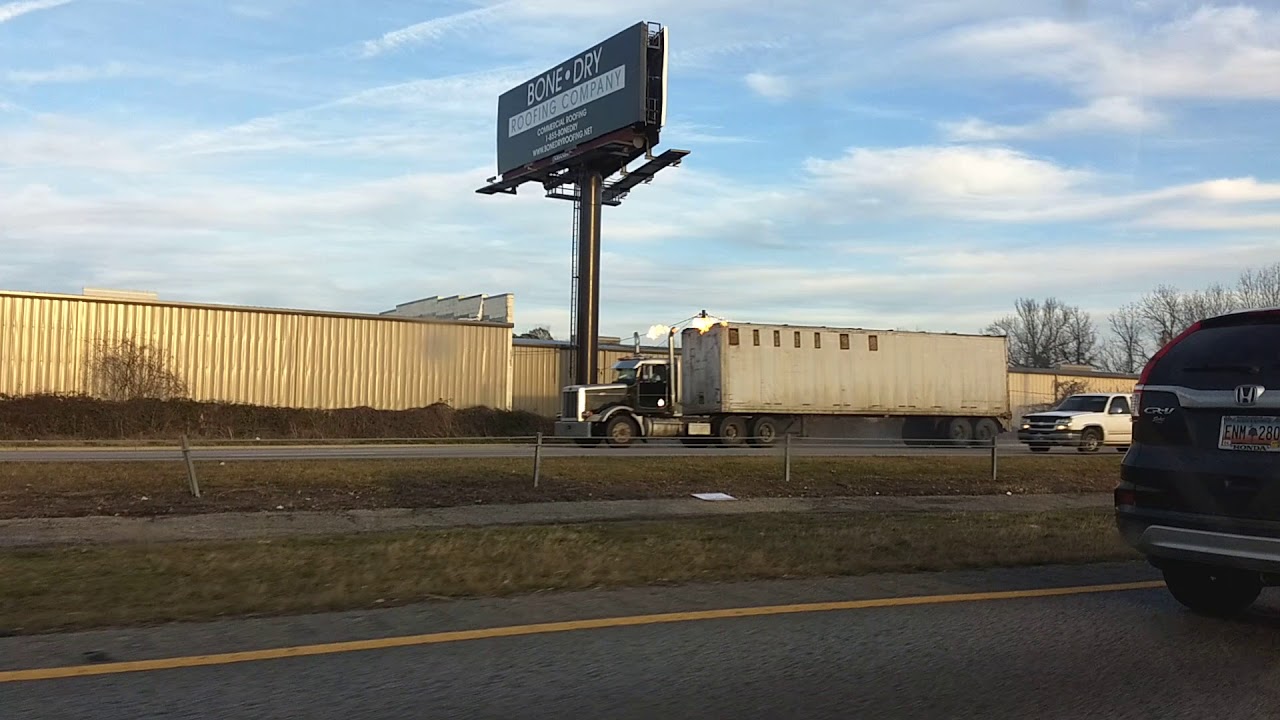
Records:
x=591, y=94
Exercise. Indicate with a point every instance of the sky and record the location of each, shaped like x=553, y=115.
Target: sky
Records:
x=872, y=164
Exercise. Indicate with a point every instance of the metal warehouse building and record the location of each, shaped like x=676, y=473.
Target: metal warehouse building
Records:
x=459, y=351
x=260, y=356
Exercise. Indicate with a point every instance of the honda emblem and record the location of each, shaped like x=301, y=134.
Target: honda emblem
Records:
x=1248, y=394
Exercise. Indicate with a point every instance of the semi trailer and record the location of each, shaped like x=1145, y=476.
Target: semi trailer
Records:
x=736, y=383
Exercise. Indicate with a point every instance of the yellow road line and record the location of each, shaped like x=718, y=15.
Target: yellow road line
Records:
x=543, y=628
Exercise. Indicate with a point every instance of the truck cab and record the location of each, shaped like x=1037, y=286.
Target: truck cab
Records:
x=1085, y=421
x=642, y=401
x=648, y=383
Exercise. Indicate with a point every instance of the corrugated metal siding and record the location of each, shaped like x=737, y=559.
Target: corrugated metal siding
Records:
x=261, y=357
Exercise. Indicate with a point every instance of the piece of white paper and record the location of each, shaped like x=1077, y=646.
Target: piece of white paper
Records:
x=714, y=497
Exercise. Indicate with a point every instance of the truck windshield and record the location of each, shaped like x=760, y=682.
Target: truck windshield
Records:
x=625, y=375
x=1084, y=403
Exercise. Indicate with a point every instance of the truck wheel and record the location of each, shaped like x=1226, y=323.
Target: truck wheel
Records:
x=984, y=430
x=732, y=431
x=959, y=430
x=1090, y=440
x=764, y=432
x=621, y=430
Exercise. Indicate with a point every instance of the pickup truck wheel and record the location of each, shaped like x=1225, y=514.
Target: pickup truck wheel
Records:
x=621, y=430
x=1212, y=591
x=732, y=431
x=764, y=432
x=1090, y=440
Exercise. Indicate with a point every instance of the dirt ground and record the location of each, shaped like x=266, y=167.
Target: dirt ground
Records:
x=158, y=488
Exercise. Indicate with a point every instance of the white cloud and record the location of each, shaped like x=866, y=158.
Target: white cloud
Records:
x=702, y=134
x=770, y=87
x=1001, y=185
x=65, y=143
x=446, y=120
x=12, y=10
x=1109, y=114
x=1214, y=52
x=433, y=29
x=75, y=74
x=952, y=181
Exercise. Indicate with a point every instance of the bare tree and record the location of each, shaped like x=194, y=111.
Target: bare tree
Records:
x=1259, y=287
x=1081, y=338
x=127, y=370
x=1045, y=333
x=1065, y=388
x=1216, y=299
x=1165, y=312
x=1126, y=349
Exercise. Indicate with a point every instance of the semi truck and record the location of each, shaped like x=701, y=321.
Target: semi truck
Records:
x=736, y=383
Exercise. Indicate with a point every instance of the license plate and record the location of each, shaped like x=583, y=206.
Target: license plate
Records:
x=1259, y=433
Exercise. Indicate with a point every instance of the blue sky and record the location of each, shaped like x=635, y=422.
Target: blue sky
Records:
x=866, y=163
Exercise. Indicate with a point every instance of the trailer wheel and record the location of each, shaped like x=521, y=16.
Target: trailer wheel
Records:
x=732, y=431
x=984, y=430
x=959, y=430
x=621, y=430
x=764, y=432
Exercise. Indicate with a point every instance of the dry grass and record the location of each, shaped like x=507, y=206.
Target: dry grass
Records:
x=158, y=488
x=79, y=587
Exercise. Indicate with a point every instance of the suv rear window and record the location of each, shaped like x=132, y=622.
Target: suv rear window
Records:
x=1215, y=358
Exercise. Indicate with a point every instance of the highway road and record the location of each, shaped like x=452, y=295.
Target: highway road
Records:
x=1118, y=653
x=392, y=452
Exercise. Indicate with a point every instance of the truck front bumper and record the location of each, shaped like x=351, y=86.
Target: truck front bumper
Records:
x=1068, y=438
x=573, y=428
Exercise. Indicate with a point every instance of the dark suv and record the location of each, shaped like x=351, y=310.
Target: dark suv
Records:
x=1199, y=490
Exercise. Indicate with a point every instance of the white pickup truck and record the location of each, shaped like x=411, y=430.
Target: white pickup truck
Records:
x=1086, y=421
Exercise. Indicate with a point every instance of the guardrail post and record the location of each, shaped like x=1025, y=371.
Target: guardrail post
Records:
x=537, y=459
x=192, y=482
x=994, y=458
x=786, y=457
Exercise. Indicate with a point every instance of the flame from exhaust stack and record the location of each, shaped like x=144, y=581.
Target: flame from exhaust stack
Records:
x=704, y=324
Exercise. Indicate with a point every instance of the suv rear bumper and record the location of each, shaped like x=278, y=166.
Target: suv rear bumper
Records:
x=1206, y=547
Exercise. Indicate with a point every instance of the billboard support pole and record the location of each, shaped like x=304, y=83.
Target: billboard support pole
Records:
x=591, y=189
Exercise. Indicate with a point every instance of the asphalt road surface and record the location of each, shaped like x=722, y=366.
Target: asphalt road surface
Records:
x=1117, y=654
x=390, y=452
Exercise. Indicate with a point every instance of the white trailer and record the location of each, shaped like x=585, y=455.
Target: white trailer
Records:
x=752, y=382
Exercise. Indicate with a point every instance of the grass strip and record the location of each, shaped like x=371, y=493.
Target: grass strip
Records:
x=81, y=587
x=160, y=488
